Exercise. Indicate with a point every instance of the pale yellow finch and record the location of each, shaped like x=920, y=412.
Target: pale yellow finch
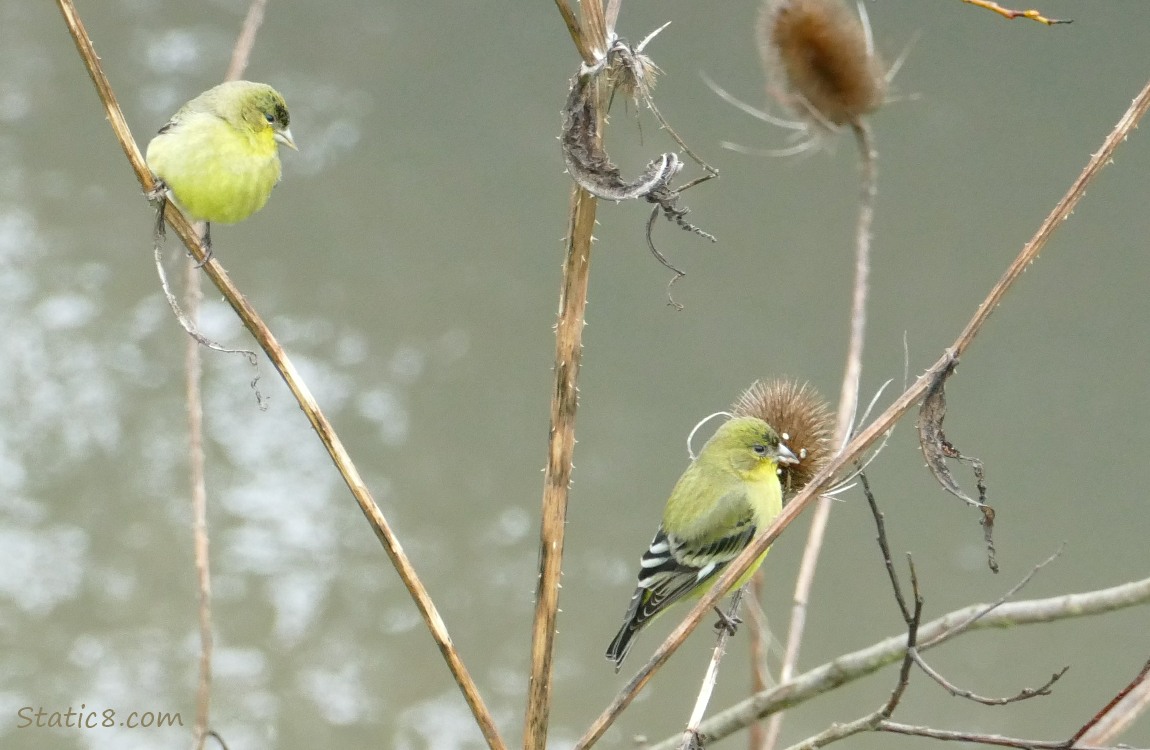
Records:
x=725, y=498
x=218, y=157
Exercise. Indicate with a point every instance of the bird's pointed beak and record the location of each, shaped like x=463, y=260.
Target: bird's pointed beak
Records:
x=786, y=456
x=284, y=137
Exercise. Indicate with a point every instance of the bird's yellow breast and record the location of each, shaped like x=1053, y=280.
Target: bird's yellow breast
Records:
x=215, y=171
x=764, y=471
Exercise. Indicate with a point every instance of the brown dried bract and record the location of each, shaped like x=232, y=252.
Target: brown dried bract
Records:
x=936, y=449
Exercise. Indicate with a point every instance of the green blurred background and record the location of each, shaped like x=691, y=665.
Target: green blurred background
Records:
x=409, y=261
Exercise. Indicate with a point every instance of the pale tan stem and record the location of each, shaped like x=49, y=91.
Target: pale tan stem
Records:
x=848, y=406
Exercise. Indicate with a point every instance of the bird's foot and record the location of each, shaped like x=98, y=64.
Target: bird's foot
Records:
x=728, y=623
x=158, y=194
x=206, y=240
x=158, y=197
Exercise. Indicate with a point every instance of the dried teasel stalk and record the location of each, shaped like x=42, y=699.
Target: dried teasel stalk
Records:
x=821, y=61
x=801, y=416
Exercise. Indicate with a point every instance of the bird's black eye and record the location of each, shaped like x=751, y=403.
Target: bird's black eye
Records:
x=270, y=117
x=759, y=449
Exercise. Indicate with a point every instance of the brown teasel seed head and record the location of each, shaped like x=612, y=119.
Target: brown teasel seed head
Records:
x=802, y=416
x=817, y=56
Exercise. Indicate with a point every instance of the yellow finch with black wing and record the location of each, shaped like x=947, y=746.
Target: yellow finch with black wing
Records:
x=725, y=498
x=218, y=157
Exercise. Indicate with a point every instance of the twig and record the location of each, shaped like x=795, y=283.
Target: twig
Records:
x=853, y=666
x=561, y=436
x=242, y=51
x=849, y=395
x=848, y=405
x=707, y=688
x=216, y=736
x=185, y=319
x=979, y=614
x=323, y=428
x=884, y=546
x=1010, y=15
x=1119, y=712
x=885, y=421
x=982, y=739
x=913, y=619
x=758, y=640
x=1024, y=694
x=1120, y=715
x=193, y=369
x=193, y=374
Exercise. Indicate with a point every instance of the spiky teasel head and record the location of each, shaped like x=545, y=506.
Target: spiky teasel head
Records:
x=820, y=60
x=803, y=420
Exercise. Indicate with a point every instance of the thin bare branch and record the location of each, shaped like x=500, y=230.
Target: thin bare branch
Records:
x=267, y=341
x=853, y=666
x=707, y=687
x=193, y=371
x=1024, y=694
x=185, y=318
x=884, y=547
x=242, y=51
x=1010, y=15
x=997, y=740
x=913, y=618
x=1116, y=715
x=758, y=640
x=977, y=615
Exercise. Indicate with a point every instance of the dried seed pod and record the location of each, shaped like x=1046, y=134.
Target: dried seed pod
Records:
x=803, y=419
x=820, y=60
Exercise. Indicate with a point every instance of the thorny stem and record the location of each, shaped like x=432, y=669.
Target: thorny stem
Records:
x=564, y=402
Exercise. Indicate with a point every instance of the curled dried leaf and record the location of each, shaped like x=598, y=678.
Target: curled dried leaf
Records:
x=624, y=68
x=936, y=449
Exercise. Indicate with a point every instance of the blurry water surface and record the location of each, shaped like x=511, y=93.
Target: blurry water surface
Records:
x=409, y=262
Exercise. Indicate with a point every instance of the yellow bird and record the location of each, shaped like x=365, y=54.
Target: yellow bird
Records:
x=725, y=498
x=218, y=157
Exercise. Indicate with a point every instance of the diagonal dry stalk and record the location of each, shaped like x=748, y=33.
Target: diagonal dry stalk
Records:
x=564, y=402
x=855, y=450
x=323, y=428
